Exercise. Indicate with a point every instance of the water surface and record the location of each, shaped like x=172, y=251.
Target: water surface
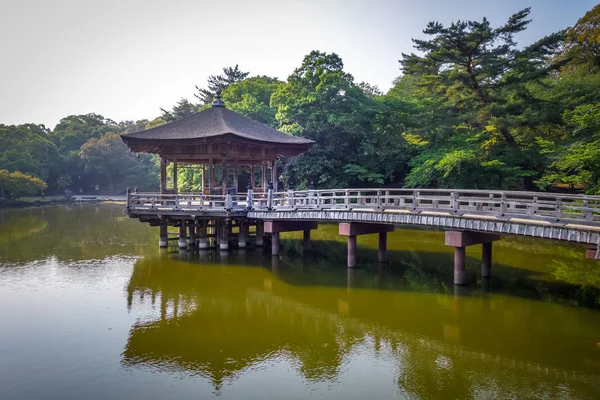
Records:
x=90, y=308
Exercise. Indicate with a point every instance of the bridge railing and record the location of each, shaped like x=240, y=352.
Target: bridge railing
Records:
x=504, y=204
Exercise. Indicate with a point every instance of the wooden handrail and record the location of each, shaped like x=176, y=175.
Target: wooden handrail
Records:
x=554, y=207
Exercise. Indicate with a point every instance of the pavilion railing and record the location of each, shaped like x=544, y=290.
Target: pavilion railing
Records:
x=552, y=207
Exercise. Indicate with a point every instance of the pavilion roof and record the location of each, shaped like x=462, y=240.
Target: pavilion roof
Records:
x=214, y=122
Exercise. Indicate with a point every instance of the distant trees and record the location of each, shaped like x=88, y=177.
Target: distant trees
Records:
x=16, y=184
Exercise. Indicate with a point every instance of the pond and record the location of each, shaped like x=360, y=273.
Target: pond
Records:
x=90, y=308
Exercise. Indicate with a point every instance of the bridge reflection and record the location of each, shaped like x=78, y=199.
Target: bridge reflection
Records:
x=222, y=320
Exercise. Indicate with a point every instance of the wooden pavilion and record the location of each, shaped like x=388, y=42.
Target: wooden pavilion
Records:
x=233, y=151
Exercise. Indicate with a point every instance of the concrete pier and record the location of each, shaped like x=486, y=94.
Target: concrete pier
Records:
x=352, y=229
x=201, y=231
x=182, y=236
x=276, y=227
x=306, y=241
x=163, y=238
x=192, y=235
x=243, y=235
x=460, y=240
x=259, y=238
x=275, y=244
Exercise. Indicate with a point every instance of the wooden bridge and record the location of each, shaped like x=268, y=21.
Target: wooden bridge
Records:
x=469, y=217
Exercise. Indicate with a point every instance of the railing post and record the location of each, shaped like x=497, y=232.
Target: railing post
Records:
x=558, y=209
x=249, y=199
x=290, y=198
x=347, y=198
x=228, y=202
x=588, y=215
x=454, y=201
x=128, y=198
x=270, y=196
x=503, y=205
x=415, y=199
x=311, y=192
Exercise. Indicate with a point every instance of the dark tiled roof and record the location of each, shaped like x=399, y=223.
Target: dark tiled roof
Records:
x=217, y=121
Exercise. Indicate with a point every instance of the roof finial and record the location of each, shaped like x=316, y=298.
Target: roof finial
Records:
x=217, y=102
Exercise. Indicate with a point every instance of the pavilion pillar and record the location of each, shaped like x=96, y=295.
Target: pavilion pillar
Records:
x=175, y=175
x=182, y=236
x=163, y=175
x=203, y=177
x=263, y=184
x=274, y=177
x=163, y=236
x=224, y=176
x=211, y=176
x=201, y=231
x=235, y=176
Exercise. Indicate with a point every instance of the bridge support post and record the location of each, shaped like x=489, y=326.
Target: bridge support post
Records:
x=306, y=240
x=224, y=237
x=259, y=239
x=182, y=236
x=351, y=251
x=163, y=238
x=243, y=234
x=202, y=242
x=486, y=259
x=192, y=235
x=460, y=276
x=460, y=240
x=382, y=253
x=275, y=244
x=275, y=227
x=353, y=229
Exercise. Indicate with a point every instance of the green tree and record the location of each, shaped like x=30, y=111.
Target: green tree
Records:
x=252, y=98
x=16, y=184
x=182, y=109
x=230, y=76
x=109, y=162
x=481, y=78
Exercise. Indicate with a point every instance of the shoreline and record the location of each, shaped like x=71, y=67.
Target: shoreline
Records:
x=12, y=204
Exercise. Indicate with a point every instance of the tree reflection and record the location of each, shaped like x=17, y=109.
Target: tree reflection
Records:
x=220, y=321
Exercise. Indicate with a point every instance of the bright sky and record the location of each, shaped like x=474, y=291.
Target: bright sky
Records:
x=125, y=59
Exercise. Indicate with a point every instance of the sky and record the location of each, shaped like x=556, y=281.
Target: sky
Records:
x=125, y=59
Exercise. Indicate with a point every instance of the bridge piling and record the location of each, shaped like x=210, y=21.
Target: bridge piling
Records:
x=163, y=239
x=192, y=235
x=201, y=230
x=460, y=240
x=353, y=229
x=182, y=236
x=306, y=241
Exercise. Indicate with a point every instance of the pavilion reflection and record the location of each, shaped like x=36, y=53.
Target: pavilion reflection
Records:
x=219, y=320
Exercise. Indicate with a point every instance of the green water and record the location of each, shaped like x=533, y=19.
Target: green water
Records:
x=91, y=309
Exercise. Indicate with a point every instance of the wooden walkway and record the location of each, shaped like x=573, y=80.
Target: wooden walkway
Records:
x=469, y=217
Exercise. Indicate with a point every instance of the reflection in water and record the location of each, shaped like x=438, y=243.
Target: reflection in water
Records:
x=220, y=322
x=244, y=324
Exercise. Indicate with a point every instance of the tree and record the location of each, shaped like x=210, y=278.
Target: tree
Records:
x=582, y=43
x=482, y=79
x=16, y=184
x=230, y=76
x=109, y=162
x=252, y=98
x=321, y=102
x=182, y=109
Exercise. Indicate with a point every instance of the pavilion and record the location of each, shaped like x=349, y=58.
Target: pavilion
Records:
x=234, y=151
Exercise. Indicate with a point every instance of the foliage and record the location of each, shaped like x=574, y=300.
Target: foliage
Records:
x=230, y=76
x=111, y=163
x=16, y=184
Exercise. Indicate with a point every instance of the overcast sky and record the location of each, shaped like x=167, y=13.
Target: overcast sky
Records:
x=126, y=59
